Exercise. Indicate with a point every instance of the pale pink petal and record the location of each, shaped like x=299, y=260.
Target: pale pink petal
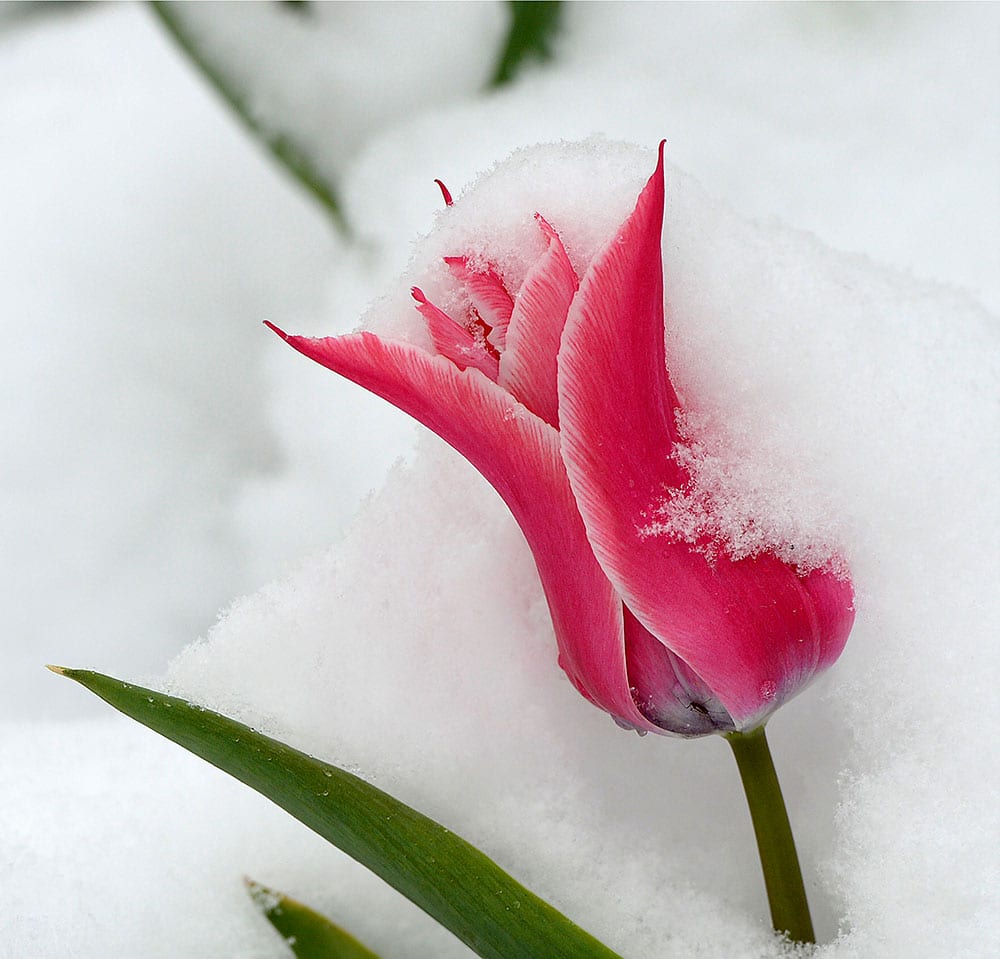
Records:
x=528, y=363
x=518, y=454
x=489, y=297
x=454, y=341
x=754, y=631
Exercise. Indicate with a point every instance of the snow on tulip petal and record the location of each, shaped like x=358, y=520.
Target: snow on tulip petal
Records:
x=518, y=454
x=528, y=363
x=454, y=341
x=489, y=297
x=754, y=631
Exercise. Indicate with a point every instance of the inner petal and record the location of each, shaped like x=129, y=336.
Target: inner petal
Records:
x=481, y=332
x=489, y=296
x=666, y=690
x=528, y=367
x=455, y=342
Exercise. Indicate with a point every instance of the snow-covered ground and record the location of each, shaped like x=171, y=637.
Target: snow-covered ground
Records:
x=166, y=454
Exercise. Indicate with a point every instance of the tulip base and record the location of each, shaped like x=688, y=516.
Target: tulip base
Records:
x=778, y=858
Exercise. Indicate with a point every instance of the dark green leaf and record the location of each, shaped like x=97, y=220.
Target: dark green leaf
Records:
x=308, y=934
x=464, y=890
x=533, y=25
x=293, y=156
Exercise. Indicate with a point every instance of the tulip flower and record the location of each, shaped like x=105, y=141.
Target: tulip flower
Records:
x=561, y=398
x=560, y=395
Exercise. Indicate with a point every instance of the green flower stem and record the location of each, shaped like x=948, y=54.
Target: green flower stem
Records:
x=778, y=858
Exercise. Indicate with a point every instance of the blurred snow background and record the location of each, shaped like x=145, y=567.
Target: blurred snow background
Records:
x=165, y=454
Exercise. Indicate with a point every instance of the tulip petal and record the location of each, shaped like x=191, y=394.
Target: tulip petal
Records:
x=445, y=193
x=528, y=362
x=518, y=454
x=665, y=689
x=489, y=297
x=454, y=341
x=754, y=631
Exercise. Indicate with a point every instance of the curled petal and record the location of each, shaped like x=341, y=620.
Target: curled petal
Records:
x=754, y=631
x=454, y=341
x=489, y=296
x=445, y=193
x=518, y=454
x=528, y=363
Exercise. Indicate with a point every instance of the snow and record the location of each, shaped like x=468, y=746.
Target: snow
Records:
x=166, y=453
x=357, y=67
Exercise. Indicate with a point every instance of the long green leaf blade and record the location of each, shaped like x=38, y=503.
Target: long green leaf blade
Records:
x=451, y=880
x=283, y=147
x=308, y=934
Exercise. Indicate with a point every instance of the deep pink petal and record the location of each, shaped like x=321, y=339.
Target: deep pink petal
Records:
x=528, y=363
x=754, y=630
x=489, y=297
x=518, y=454
x=445, y=193
x=454, y=341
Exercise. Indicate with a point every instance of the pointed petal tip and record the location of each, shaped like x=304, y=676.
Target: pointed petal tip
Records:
x=275, y=329
x=418, y=295
x=546, y=227
x=445, y=193
x=658, y=177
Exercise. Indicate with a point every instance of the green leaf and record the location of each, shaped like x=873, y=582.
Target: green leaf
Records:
x=533, y=25
x=451, y=880
x=294, y=157
x=308, y=934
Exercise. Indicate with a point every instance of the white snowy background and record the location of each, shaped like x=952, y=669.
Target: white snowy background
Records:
x=833, y=273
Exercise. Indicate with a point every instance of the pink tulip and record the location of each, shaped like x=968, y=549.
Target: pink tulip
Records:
x=560, y=396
